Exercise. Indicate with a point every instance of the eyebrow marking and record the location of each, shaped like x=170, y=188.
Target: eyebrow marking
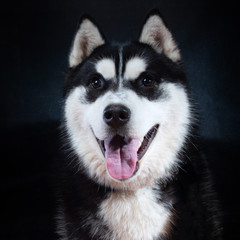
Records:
x=106, y=67
x=134, y=67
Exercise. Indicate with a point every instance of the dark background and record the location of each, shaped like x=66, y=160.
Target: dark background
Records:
x=35, y=38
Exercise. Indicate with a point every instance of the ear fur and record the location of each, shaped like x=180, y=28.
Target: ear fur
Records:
x=87, y=38
x=155, y=33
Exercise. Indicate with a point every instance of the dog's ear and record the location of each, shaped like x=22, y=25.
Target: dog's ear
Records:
x=87, y=38
x=155, y=33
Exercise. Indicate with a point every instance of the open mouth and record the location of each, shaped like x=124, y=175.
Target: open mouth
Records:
x=123, y=153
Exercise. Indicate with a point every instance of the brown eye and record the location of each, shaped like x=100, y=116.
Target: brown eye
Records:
x=96, y=83
x=147, y=82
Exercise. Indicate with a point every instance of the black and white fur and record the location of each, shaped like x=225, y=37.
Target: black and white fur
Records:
x=169, y=195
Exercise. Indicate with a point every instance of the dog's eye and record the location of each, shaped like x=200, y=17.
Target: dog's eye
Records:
x=147, y=82
x=96, y=83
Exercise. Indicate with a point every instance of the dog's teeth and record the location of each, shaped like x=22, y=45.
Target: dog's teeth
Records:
x=140, y=142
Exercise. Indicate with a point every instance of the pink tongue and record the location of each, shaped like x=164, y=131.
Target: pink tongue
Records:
x=121, y=156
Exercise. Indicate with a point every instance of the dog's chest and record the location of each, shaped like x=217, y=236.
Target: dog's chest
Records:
x=135, y=216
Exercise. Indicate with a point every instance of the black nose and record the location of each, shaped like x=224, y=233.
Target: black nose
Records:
x=116, y=115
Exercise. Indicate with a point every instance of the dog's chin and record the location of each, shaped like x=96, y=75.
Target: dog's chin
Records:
x=123, y=154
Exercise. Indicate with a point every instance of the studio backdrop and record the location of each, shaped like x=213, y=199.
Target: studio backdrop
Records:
x=35, y=41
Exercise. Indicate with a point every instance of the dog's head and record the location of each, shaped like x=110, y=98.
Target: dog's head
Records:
x=126, y=106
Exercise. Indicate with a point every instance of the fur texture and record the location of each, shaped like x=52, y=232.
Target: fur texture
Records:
x=134, y=170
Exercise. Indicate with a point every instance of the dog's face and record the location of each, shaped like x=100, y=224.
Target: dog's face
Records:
x=126, y=110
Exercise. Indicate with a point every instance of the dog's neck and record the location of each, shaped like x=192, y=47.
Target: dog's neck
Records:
x=150, y=216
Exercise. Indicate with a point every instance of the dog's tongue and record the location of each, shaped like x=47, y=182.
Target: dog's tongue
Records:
x=121, y=156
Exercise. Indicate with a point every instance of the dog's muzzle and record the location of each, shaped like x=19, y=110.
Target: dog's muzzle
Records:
x=122, y=153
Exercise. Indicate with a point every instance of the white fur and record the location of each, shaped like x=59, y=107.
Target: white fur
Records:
x=86, y=40
x=120, y=67
x=156, y=34
x=135, y=215
x=106, y=67
x=85, y=121
x=61, y=226
x=134, y=67
x=133, y=211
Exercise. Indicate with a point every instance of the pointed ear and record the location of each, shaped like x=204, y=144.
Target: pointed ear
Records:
x=87, y=38
x=155, y=33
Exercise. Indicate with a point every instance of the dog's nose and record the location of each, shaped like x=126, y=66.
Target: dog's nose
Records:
x=116, y=115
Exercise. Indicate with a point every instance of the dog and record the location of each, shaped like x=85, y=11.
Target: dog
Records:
x=134, y=171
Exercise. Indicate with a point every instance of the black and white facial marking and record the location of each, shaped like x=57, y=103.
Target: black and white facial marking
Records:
x=127, y=111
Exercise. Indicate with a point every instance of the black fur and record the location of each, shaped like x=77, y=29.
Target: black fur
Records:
x=82, y=74
x=188, y=190
x=160, y=69
x=80, y=198
x=196, y=215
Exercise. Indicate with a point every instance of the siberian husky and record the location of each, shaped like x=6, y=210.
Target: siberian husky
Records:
x=134, y=171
